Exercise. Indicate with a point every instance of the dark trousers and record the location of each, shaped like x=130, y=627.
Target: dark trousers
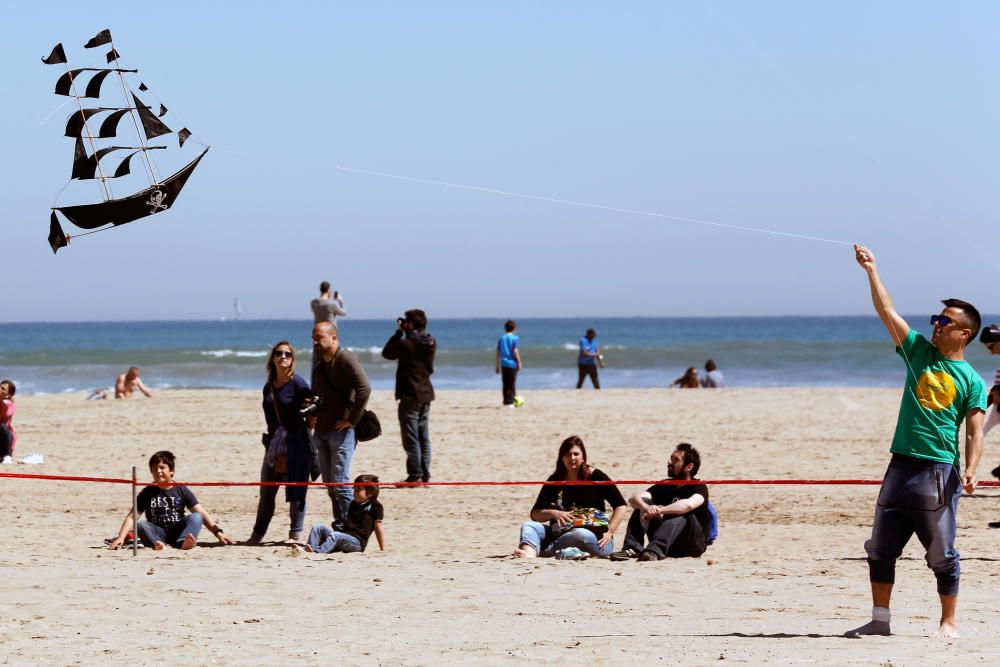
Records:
x=7, y=441
x=677, y=536
x=921, y=497
x=509, y=378
x=413, y=427
x=588, y=370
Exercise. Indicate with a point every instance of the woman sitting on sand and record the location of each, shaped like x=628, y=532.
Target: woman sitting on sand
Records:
x=687, y=381
x=7, y=437
x=567, y=517
x=284, y=394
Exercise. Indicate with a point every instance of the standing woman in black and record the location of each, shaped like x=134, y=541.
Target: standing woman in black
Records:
x=284, y=394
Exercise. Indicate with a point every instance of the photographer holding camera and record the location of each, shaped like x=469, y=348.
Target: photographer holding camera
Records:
x=341, y=391
x=414, y=349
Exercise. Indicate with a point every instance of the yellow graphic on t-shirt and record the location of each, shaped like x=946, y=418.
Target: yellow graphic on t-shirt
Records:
x=936, y=390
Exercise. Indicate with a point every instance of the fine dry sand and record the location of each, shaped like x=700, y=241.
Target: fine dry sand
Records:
x=785, y=579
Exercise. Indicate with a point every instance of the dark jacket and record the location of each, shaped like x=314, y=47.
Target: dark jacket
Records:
x=416, y=364
x=290, y=398
x=344, y=388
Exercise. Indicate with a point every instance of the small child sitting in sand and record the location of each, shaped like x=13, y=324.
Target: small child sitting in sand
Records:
x=164, y=503
x=364, y=516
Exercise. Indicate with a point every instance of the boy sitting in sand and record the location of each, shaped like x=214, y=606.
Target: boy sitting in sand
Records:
x=364, y=516
x=164, y=503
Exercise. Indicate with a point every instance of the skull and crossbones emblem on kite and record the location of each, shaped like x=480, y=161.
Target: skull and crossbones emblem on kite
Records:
x=94, y=126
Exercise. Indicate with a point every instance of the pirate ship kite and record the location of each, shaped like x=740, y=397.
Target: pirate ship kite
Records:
x=95, y=127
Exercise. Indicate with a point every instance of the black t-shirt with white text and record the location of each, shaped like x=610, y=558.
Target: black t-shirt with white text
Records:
x=361, y=518
x=665, y=494
x=165, y=507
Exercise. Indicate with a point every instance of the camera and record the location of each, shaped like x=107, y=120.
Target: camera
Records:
x=311, y=405
x=990, y=334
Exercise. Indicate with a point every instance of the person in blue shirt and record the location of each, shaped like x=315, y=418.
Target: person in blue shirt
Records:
x=590, y=357
x=508, y=361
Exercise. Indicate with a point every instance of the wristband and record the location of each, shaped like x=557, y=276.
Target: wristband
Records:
x=217, y=530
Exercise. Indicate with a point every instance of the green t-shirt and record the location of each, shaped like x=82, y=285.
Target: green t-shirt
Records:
x=939, y=393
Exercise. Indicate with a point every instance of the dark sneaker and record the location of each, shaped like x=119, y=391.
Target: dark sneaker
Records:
x=625, y=554
x=646, y=556
x=412, y=479
x=996, y=472
x=994, y=524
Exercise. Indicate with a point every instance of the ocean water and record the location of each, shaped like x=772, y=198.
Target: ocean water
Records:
x=640, y=352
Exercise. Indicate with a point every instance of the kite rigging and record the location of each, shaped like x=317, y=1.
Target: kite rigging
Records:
x=95, y=129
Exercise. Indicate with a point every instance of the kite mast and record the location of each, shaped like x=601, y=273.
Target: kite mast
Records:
x=90, y=137
x=154, y=178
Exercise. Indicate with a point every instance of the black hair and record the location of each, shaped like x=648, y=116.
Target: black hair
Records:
x=969, y=313
x=10, y=383
x=509, y=325
x=591, y=333
x=370, y=485
x=691, y=456
x=417, y=318
x=710, y=365
x=162, y=456
x=324, y=287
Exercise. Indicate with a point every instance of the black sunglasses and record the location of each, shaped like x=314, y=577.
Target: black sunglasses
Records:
x=942, y=320
x=283, y=353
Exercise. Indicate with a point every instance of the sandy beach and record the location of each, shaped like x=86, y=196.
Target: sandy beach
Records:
x=785, y=579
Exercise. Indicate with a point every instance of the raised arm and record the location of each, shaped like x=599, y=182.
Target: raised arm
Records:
x=894, y=323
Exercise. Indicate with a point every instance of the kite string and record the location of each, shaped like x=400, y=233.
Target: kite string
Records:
x=602, y=207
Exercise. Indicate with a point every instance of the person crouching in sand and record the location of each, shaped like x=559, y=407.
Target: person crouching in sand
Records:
x=164, y=503
x=128, y=382
x=923, y=483
x=364, y=516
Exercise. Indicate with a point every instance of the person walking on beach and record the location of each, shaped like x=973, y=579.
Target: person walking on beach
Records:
x=508, y=361
x=414, y=349
x=326, y=308
x=128, y=382
x=341, y=386
x=923, y=482
x=588, y=359
x=674, y=517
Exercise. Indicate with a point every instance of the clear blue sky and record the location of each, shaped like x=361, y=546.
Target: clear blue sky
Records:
x=864, y=121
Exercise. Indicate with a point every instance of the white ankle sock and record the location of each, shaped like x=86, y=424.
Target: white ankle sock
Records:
x=881, y=614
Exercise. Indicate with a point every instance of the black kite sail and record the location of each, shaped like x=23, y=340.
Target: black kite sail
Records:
x=94, y=122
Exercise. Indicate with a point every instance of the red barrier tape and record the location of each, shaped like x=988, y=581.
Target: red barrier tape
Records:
x=711, y=482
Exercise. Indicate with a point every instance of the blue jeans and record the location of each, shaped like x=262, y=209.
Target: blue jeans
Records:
x=336, y=449
x=413, y=417
x=265, y=506
x=326, y=540
x=919, y=497
x=149, y=532
x=539, y=537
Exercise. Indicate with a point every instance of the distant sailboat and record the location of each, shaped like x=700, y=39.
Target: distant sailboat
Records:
x=237, y=312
